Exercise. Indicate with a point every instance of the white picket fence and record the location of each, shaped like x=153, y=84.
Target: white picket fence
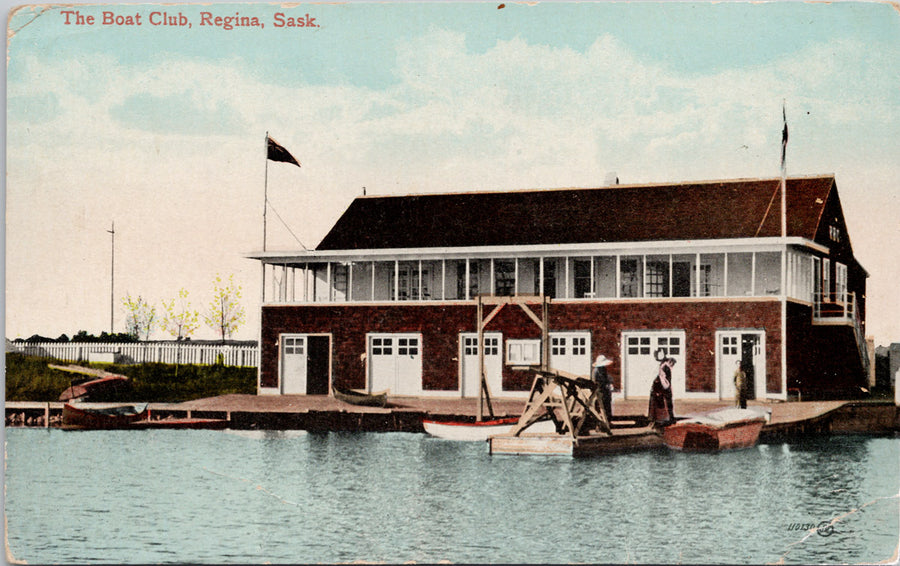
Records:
x=144, y=352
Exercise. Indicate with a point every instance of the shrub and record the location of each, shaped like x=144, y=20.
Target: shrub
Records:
x=29, y=379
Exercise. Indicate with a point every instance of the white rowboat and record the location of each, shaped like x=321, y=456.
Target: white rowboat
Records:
x=472, y=431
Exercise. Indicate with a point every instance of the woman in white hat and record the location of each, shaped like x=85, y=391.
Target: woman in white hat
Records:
x=604, y=385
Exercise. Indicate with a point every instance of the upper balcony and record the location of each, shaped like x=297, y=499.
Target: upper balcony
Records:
x=589, y=277
x=835, y=308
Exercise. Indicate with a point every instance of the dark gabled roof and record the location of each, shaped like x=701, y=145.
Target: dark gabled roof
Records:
x=743, y=208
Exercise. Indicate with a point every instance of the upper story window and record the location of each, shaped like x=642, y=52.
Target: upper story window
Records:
x=840, y=282
x=631, y=276
x=582, y=278
x=834, y=233
x=657, y=280
x=504, y=278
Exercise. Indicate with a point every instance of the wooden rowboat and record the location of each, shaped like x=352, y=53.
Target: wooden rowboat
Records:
x=94, y=387
x=107, y=418
x=357, y=397
x=724, y=429
x=472, y=431
x=98, y=384
x=192, y=424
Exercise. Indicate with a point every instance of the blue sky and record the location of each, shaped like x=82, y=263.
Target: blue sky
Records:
x=162, y=128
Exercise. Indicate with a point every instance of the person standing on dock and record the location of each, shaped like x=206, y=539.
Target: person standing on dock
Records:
x=740, y=386
x=661, y=411
x=604, y=386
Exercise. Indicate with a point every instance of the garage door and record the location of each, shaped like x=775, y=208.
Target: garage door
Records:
x=571, y=352
x=395, y=363
x=640, y=365
x=493, y=363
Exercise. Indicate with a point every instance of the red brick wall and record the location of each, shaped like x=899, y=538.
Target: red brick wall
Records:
x=440, y=325
x=699, y=320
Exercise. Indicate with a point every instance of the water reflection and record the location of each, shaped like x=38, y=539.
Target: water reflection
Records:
x=205, y=496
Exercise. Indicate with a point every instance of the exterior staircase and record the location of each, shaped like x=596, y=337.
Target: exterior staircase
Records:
x=843, y=311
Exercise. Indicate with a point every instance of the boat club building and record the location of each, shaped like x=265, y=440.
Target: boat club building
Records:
x=700, y=272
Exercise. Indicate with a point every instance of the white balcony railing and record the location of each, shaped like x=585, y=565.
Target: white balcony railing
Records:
x=834, y=307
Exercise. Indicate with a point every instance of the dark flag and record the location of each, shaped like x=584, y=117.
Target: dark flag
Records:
x=277, y=152
x=784, y=137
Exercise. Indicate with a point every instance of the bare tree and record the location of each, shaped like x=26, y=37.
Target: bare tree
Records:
x=225, y=313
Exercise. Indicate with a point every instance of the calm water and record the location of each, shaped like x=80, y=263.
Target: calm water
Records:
x=220, y=497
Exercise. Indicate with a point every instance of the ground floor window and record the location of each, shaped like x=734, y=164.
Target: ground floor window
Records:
x=523, y=352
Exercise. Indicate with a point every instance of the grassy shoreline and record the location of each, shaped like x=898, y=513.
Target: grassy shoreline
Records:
x=29, y=378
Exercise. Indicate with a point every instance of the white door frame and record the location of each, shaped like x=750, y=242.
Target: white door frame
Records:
x=493, y=365
x=282, y=374
x=759, y=361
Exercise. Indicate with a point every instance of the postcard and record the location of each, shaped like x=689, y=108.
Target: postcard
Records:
x=637, y=259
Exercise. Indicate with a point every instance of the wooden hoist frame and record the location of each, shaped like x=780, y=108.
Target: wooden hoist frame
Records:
x=569, y=400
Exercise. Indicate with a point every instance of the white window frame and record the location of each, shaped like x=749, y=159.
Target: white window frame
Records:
x=523, y=352
x=840, y=282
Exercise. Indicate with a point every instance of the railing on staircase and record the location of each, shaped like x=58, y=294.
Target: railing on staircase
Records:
x=861, y=342
x=836, y=309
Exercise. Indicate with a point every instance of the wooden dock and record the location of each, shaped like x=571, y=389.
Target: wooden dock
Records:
x=405, y=414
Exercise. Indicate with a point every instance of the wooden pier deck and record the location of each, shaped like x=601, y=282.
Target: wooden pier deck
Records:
x=405, y=414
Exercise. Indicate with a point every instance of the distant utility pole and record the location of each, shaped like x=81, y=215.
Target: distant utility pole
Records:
x=112, y=277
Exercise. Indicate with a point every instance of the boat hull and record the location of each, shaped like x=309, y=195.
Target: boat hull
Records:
x=480, y=431
x=701, y=437
x=193, y=424
x=360, y=398
x=78, y=418
x=93, y=388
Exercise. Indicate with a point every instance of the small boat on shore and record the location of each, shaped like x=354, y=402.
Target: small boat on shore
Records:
x=723, y=429
x=95, y=386
x=472, y=431
x=102, y=418
x=357, y=397
x=191, y=424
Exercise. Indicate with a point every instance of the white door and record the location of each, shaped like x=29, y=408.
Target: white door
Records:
x=746, y=346
x=571, y=352
x=294, y=357
x=409, y=365
x=493, y=363
x=395, y=363
x=640, y=366
x=729, y=354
